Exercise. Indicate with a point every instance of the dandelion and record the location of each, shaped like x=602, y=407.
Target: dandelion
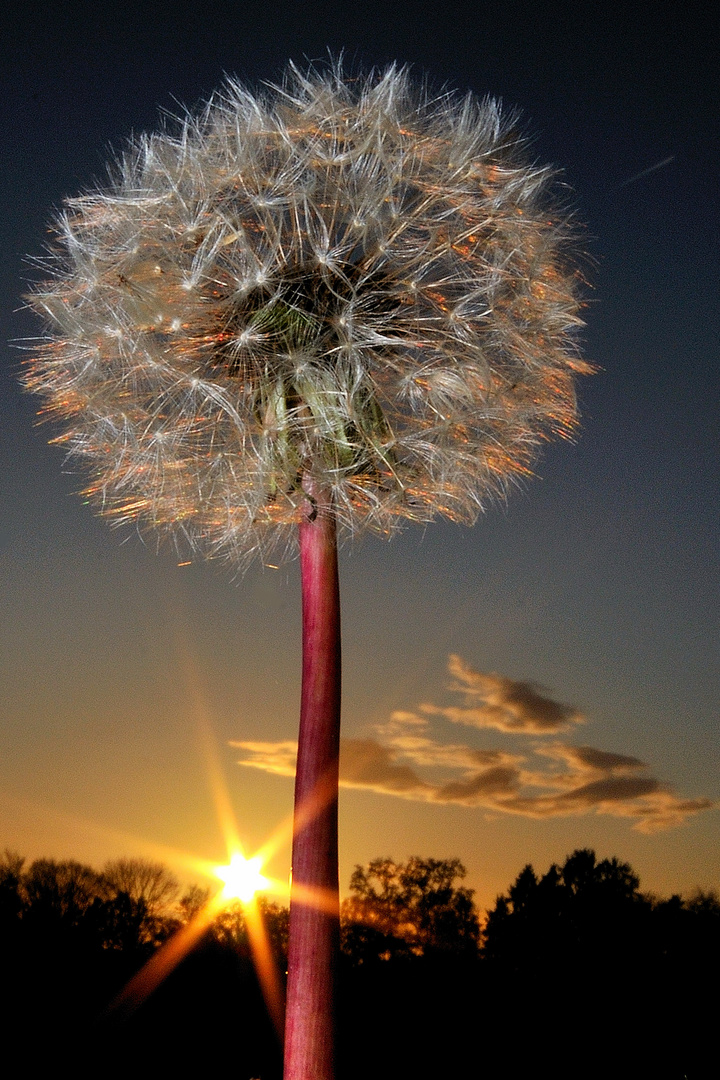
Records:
x=338, y=304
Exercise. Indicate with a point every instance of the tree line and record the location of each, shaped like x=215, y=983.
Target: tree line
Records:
x=577, y=963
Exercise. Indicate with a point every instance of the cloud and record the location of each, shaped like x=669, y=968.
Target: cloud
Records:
x=407, y=734
x=589, y=759
x=504, y=704
x=552, y=779
x=612, y=789
x=653, y=806
x=489, y=784
x=506, y=788
x=278, y=758
x=366, y=763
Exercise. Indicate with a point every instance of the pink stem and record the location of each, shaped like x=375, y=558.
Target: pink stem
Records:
x=314, y=898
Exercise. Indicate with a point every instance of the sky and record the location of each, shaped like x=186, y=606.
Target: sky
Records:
x=544, y=681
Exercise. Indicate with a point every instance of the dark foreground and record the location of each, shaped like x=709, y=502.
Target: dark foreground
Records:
x=412, y=1018
x=576, y=975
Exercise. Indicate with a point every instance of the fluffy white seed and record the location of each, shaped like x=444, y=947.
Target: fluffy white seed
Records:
x=342, y=278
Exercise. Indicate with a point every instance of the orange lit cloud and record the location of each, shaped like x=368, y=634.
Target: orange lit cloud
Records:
x=366, y=763
x=552, y=779
x=277, y=757
x=493, y=701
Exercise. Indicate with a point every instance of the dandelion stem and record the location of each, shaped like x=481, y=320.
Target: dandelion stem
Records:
x=314, y=905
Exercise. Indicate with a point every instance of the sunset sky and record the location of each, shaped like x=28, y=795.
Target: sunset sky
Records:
x=545, y=681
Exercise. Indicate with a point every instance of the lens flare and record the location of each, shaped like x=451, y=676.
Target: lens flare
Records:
x=242, y=878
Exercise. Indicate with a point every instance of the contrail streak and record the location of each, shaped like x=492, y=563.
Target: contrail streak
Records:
x=645, y=172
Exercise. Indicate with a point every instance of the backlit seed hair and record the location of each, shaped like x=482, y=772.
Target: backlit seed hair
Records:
x=342, y=279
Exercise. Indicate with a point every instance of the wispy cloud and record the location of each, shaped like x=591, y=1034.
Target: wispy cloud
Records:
x=552, y=779
x=273, y=757
x=366, y=763
x=492, y=701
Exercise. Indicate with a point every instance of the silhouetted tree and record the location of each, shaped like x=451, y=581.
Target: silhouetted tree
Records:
x=411, y=975
x=581, y=913
x=192, y=900
x=11, y=903
x=409, y=909
x=140, y=895
x=621, y=970
x=626, y=983
x=58, y=897
x=229, y=929
x=142, y=880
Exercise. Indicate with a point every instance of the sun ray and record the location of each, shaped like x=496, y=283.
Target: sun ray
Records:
x=242, y=877
x=266, y=967
x=163, y=962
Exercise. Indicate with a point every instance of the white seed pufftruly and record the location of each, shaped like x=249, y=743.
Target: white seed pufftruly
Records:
x=343, y=279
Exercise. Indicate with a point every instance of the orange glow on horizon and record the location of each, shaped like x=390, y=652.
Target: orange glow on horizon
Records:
x=242, y=877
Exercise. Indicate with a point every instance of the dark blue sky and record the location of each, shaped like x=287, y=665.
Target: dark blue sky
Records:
x=599, y=580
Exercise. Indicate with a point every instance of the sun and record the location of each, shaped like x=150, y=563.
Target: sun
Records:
x=242, y=878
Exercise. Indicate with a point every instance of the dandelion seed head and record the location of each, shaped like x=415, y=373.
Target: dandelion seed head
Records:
x=347, y=280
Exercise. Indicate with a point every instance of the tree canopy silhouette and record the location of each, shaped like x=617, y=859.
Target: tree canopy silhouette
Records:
x=621, y=970
x=626, y=982
x=409, y=909
x=579, y=913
